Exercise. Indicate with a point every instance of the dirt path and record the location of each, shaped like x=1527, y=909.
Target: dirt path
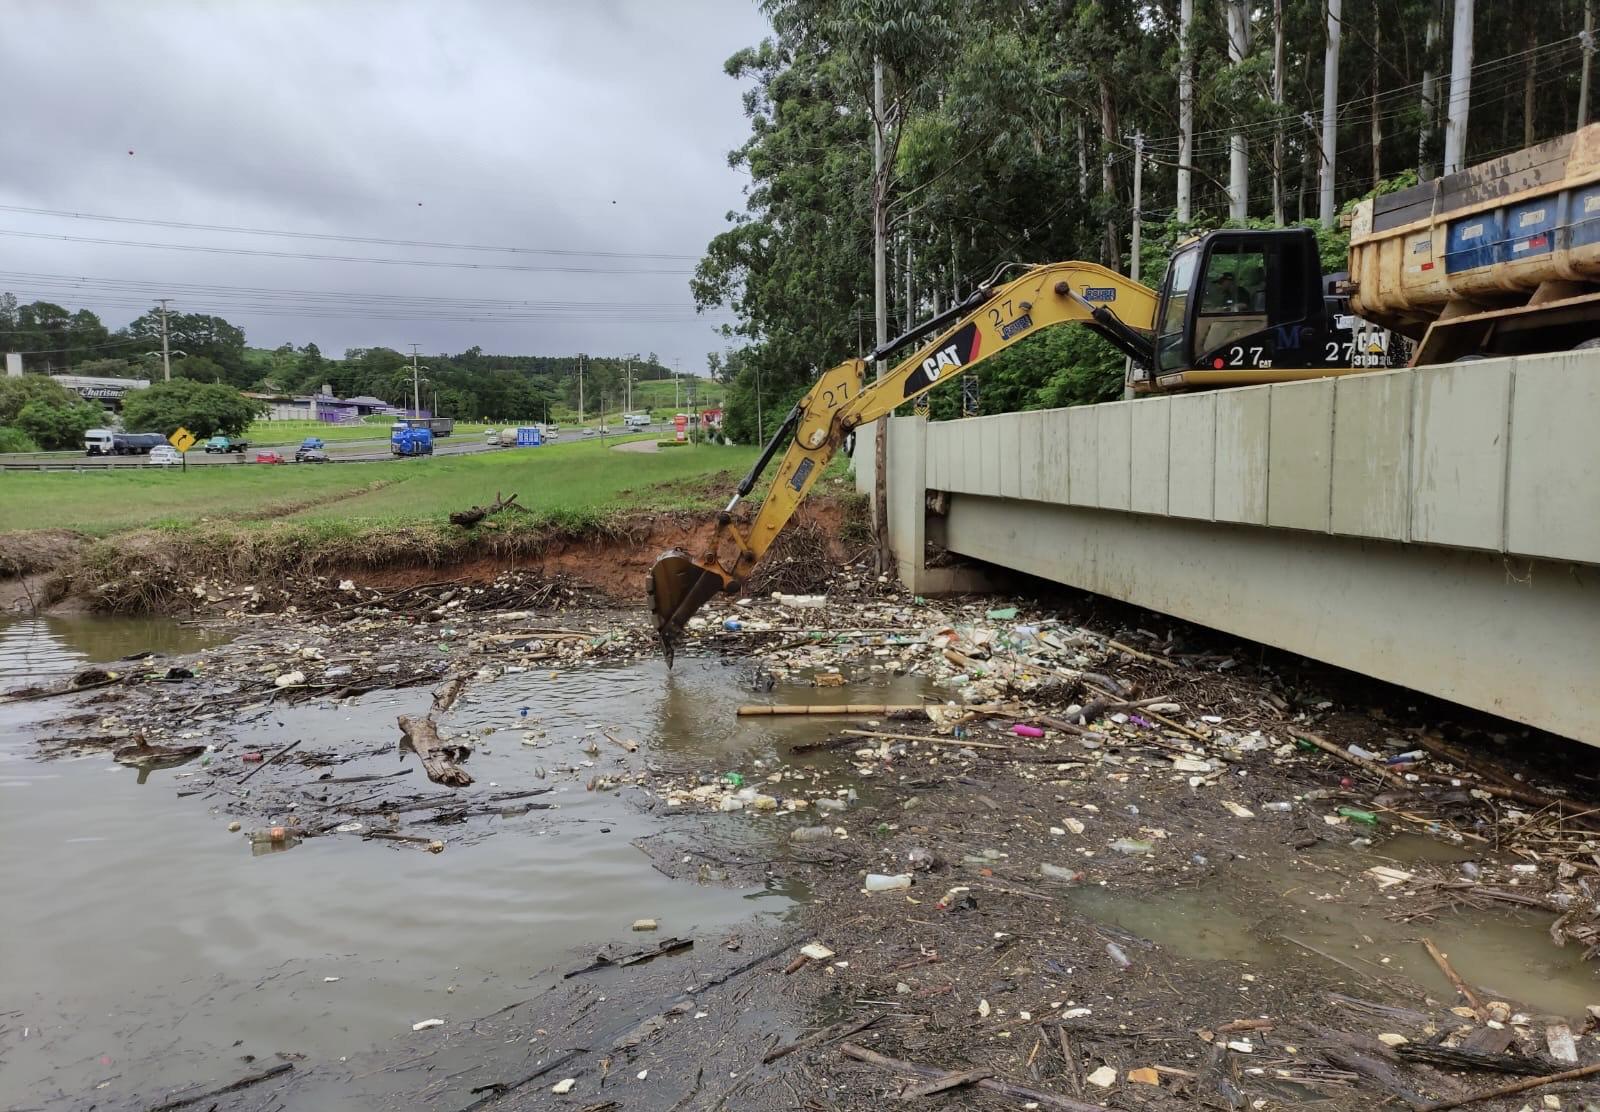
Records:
x=646, y=446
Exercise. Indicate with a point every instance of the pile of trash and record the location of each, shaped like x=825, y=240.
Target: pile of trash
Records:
x=1036, y=700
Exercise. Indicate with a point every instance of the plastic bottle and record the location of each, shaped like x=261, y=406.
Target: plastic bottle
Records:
x=1056, y=872
x=881, y=882
x=1277, y=806
x=274, y=835
x=1118, y=956
x=732, y=625
x=1131, y=846
x=1355, y=814
x=810, y=834
x=1364, y=754
x=826, y=804
x=1022, y=729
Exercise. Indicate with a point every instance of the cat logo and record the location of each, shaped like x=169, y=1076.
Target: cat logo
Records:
x=934, y=365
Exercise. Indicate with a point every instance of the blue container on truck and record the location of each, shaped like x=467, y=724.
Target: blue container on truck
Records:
x=411, y=442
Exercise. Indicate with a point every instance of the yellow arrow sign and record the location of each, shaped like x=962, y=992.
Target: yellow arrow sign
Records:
x=182, y=440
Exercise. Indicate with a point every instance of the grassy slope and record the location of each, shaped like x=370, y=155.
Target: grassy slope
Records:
x=571, y=480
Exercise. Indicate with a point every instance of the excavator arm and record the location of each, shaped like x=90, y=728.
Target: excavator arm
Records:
x=993, y=319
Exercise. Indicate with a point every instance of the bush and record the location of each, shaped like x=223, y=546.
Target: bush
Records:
x=204, y=408
x=18, y=392
x=55, y=425
x=15, y=440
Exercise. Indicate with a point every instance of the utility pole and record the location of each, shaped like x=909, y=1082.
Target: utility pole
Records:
x=1330, y=112
x=880, y=293
x=580, y=389
x=911, y=312
x=416, y=384
x=627, y=385
x=1455, y=123
x=880, y=262
x=1138, y=199
x=166, y=349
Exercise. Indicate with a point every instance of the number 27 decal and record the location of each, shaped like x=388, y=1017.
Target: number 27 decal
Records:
x=1241, y=356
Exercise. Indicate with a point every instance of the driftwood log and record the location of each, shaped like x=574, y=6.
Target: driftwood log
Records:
x=468, y=518
x=441, y=759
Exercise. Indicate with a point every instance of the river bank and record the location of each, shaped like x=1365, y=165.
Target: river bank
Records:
x=1176, y=890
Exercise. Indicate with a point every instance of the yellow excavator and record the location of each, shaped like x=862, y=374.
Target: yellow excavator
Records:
x=992, y=319
x=1502, y=258
x=1238, y=306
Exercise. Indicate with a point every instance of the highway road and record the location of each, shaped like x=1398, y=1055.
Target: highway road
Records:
x=343, y=451
x=375, y=450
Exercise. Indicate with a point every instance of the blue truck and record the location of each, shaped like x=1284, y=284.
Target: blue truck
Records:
x=405, y=441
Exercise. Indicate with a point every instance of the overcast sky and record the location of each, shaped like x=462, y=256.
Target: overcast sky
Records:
x=591, y=127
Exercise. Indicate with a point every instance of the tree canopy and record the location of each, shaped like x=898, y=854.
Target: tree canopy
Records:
x=204, y=408
x=1011, y=130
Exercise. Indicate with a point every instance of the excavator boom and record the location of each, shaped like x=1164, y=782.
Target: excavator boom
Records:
x=993, y=319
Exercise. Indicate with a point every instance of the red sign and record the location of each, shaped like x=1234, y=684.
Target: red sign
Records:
x=680, y=423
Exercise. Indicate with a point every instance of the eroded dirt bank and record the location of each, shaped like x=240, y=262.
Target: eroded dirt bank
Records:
x=207, y=571
x=1117, y=867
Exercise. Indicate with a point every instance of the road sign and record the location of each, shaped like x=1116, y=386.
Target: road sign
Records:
x=182, y=440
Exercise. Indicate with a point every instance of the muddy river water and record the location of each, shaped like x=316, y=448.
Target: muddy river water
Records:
x=143, y=947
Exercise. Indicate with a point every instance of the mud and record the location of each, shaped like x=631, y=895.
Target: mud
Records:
x=238, y=570
x=1239, y=947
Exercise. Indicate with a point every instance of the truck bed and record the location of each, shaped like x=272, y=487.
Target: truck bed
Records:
x=1510, y=233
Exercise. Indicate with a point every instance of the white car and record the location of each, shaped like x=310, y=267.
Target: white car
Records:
x=165, y=455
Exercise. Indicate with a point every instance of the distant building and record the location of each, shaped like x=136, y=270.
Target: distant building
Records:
x=322, y=406
x=105, y=391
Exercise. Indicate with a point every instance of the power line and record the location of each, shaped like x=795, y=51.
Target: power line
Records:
x=555, y=269
x=136, y=287
x=332, y=236
x=1566, y=50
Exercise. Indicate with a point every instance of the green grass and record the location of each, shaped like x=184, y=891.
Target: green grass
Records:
x=571, y=481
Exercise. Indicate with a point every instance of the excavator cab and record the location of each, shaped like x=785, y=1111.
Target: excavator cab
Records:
x=1241, y=306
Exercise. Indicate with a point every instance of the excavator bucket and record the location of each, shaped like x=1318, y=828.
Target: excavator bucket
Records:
x=678, y=588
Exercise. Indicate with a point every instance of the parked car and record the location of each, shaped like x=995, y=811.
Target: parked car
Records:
x=312, y=442
x=165, y=455
x=270, y=457
x=310, y=455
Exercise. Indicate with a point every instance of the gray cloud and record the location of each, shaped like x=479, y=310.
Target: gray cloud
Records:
x=595, y=127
